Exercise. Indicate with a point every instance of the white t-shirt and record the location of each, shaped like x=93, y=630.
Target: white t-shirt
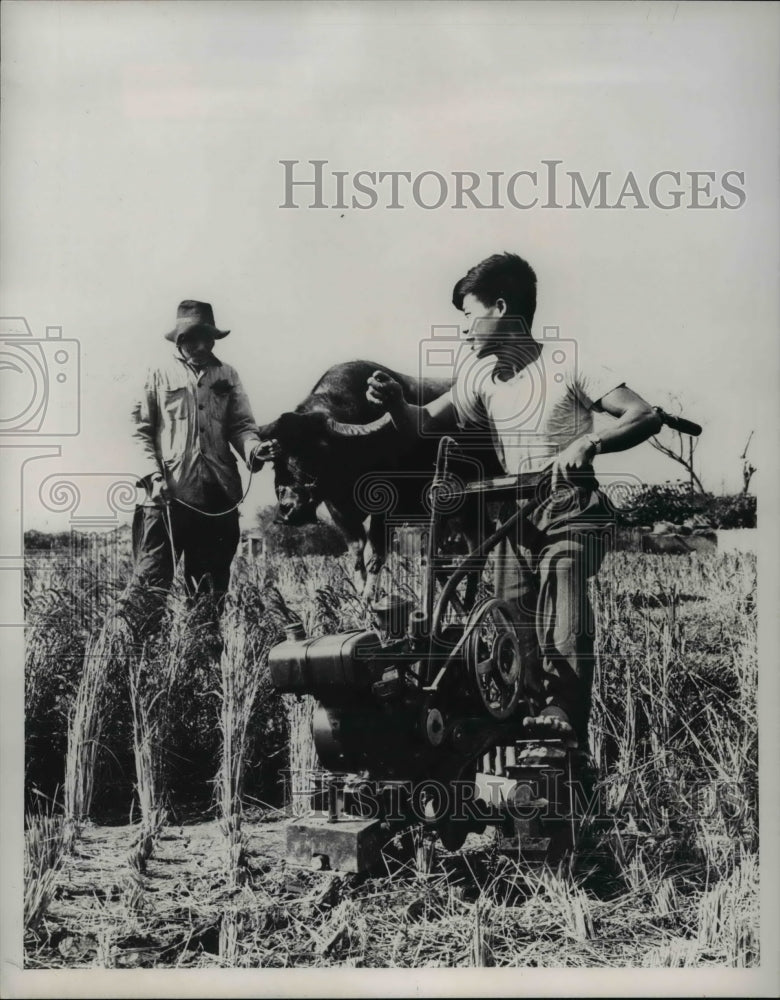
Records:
x=535, y=413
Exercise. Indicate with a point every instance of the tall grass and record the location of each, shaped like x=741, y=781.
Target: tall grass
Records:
x=43, y=850
x=303, y=762
x=84, y=731
x=148, y=699
x=668, y=877
x=154, y=676
x=243, y=680
x=68, y=595
x=240, y=681
x=728, y=916
x=674, y=723
x=318, y=592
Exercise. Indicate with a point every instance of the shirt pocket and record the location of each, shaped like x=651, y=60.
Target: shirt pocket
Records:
x=174, y=403
x=219, y=405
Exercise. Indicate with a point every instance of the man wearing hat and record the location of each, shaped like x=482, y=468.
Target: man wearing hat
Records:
x=193, y=408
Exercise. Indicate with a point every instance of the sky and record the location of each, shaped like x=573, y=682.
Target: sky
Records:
x=141, y=166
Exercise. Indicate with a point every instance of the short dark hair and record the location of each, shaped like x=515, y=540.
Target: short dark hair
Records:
x=502, y=276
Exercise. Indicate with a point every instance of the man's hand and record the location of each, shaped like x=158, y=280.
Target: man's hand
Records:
x=384, y=391
x=265, y=451
x=574, y=463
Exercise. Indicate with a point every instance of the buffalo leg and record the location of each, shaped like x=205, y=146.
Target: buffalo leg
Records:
x=350, y=524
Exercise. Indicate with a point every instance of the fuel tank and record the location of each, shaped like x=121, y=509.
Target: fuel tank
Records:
x=331, y=666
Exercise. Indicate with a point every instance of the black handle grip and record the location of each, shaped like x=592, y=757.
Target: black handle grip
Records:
x=678, y=423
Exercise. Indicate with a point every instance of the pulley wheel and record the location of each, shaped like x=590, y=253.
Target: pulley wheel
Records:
x=493, y=659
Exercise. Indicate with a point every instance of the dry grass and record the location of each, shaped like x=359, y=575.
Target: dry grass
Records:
x=149, y=695
x=320, y=594
x=240, y=680
x=728, y=916
x=669, y=878
x=43, y=850
x=303, y=760
x=242, y=673
x=84, y=732
x=675, y=716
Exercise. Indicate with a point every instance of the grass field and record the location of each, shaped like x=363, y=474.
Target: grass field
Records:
x=155, y=799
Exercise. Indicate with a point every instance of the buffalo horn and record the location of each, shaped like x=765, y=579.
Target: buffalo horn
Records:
x=358, y=430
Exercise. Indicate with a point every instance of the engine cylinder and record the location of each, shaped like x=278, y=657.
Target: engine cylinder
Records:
x=367, y=738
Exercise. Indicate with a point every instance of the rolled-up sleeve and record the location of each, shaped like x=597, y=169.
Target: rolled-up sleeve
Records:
x=242, y=428
x=594, y=382
x=145, y=421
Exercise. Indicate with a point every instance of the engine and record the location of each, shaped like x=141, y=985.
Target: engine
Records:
x=398, y=704
x=427, y=708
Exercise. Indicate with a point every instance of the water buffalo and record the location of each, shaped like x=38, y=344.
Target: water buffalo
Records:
x=338, y=449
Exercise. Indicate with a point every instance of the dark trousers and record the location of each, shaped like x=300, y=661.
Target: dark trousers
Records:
x=161, y=536
x=544, y=574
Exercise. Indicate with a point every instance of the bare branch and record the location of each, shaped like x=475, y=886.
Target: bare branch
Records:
x=682, y=447
x=748, y=469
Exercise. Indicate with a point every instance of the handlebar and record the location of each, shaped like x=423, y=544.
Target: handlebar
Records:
x=678, y=423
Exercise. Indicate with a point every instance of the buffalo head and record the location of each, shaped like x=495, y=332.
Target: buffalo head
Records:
x=299, y=466
x=305, y=459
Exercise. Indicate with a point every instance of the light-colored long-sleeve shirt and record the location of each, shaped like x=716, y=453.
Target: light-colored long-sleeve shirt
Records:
x=184, y=424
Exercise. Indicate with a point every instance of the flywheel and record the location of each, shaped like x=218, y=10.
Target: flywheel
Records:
x=493, y=658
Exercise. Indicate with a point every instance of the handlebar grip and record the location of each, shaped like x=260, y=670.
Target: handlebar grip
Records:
x=679, y=423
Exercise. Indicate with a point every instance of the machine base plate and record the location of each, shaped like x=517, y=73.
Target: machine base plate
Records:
x=348, y=845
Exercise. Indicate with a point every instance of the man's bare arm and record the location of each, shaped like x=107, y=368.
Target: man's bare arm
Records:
x=438, y=415
x=636, y=419
x=636, y=422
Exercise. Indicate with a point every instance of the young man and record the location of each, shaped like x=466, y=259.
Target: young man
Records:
x=537, y=402
x=193, y=408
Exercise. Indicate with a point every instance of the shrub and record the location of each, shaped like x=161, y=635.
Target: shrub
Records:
x=320, y=539
x=737, y=511
x=676, y=502
x=36, y=540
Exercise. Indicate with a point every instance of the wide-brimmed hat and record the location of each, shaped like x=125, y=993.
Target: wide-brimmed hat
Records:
x=192, y=315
